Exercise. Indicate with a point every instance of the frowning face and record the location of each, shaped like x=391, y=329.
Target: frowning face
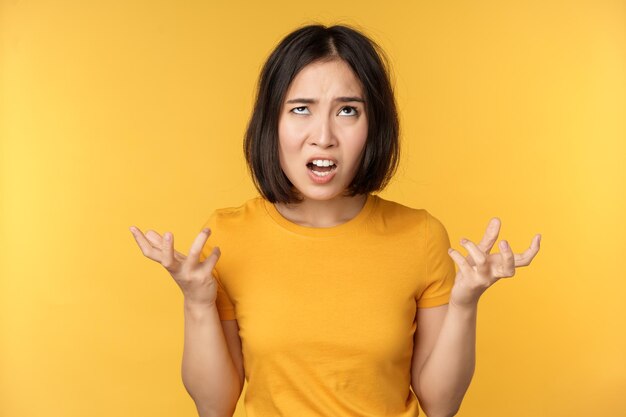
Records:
x=322, y=129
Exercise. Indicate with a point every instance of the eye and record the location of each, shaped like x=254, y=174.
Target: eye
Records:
x=354, y=109
x=298, y=109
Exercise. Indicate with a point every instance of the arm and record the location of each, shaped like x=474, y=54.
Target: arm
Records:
x=208, y=371
x=445, y=356
x=444, y=373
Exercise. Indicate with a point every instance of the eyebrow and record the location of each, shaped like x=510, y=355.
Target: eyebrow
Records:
x=314, y=101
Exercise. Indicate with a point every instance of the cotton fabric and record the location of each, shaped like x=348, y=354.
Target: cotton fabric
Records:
x=326, y=316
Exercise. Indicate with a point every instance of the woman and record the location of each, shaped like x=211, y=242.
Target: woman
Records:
x=327, y=299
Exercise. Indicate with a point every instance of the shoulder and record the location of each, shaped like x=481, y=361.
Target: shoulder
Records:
x=393, y=208
x=397, y=216
x=229, y=217
x=400, y=217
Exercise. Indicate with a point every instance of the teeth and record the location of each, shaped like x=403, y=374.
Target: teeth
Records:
x=322, y=162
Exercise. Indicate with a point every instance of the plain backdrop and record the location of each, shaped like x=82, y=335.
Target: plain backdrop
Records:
x=119, y=113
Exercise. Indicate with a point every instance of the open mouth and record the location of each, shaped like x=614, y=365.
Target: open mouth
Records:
x=321, y=168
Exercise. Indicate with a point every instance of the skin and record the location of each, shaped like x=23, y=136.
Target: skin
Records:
x=327, y=127
x=444, y=346
x=445, y=341
x=192, y=276
x=480, y=269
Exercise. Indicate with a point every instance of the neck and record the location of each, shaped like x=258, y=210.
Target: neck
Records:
x=323, y=213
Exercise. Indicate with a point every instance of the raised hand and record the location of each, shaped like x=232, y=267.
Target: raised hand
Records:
x=193, y=277
x=479, y=269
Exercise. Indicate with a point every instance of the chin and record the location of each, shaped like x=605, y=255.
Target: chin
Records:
x=322, y=195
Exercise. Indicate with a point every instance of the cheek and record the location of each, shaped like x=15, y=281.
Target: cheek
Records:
x=289, y=138
x=287, y=148
x=359, y=138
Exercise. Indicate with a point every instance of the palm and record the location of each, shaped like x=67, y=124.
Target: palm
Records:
x=481, y=269
x=156, y=240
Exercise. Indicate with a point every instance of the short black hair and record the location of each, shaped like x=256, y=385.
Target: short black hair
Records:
x=304, y=46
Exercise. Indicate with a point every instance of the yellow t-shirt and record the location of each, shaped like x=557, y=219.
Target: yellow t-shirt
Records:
x=327, y=315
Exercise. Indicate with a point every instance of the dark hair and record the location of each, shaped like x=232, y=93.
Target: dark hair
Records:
x=370, y=65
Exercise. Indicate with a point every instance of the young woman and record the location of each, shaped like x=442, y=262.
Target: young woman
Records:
x=328, y=299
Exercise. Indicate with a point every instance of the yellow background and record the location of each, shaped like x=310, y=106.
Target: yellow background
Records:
x=125, y=113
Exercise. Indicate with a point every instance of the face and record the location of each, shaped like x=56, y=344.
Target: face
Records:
x=323, y=120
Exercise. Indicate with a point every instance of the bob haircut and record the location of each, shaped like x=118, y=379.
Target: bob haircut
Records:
x=369, y=63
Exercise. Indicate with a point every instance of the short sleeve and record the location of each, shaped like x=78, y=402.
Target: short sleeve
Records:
x=225, y=307
x=440, y=269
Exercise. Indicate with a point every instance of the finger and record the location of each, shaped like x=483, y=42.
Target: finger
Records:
x=154, y=238
x=197, y=245
x=491, y=235
x=146, y=248
x=209, y=263
x=477, y=255
x=460, y=260
x=167, y=250
x=508, y=262
x=525, y=258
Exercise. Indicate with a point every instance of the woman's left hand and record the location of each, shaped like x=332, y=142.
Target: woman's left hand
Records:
x=480, y=270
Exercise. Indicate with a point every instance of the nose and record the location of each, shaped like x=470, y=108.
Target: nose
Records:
x=325, y=135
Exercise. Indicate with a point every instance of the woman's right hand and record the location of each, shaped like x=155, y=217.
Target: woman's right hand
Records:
x=193, y=277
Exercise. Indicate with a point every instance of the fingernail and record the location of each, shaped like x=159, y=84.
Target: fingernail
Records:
x=463, y=241
x=205, y=230
x=168, y=236
x=503, y=244
x=450, y=250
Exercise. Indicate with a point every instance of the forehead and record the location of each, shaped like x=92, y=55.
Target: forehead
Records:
x=325, y=77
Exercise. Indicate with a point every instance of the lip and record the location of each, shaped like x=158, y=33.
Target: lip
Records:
x=321, y=180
